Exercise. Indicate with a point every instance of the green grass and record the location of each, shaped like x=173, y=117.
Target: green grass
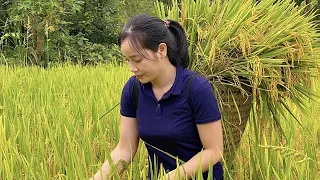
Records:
x=51, y=128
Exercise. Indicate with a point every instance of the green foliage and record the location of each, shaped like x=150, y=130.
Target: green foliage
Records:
x=3, y=15
x=134, y=7
x=32, y=30
x=39, y=17
x=39, y=32
x=78, y=49
x=27, y=28
x=99, y=20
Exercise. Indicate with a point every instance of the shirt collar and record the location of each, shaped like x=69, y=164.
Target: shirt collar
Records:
x=177, y=85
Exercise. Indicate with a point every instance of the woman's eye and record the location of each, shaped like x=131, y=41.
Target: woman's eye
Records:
x=138, y=60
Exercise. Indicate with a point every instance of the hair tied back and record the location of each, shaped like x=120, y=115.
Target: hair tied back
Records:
x=166, y=23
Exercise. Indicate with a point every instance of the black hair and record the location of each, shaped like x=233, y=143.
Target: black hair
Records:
x=147, y=32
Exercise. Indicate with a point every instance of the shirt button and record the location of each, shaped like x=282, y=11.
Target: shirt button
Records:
x=158, y=105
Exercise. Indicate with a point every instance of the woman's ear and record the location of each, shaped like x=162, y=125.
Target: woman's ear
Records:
x=162, y=49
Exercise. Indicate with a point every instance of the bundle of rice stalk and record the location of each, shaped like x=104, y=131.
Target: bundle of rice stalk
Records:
x=258, y=57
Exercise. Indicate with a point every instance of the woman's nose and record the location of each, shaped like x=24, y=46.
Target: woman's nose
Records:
x=132, y=67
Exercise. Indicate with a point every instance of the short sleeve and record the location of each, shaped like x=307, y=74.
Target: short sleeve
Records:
x=203, y=101
x=127, y=107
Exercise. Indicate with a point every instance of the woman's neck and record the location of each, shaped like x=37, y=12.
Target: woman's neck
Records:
x=166, y=79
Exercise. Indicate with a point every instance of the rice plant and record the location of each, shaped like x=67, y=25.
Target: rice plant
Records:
x=53, y=125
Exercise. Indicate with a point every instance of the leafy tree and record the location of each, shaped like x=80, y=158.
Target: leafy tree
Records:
x=98, y=20
x=133, y=7
x=38, y=18
x=3, y=15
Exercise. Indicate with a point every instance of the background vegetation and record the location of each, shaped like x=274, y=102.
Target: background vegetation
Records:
x=40, y=32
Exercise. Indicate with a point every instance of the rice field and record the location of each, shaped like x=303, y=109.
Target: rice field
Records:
x=53, y=126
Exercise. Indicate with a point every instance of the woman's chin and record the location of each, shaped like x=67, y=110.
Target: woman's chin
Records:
x=141, y=79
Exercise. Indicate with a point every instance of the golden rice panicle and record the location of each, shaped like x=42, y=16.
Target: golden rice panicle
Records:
x=256, y=71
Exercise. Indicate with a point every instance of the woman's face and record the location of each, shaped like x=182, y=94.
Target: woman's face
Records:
x=145, y=67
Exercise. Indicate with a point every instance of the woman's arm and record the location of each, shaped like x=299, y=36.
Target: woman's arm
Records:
x=125, y=150
x=212, y=141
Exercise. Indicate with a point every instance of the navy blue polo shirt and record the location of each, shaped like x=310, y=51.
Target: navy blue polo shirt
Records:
x=170, y=123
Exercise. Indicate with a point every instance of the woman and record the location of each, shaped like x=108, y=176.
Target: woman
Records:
x=157, y=54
